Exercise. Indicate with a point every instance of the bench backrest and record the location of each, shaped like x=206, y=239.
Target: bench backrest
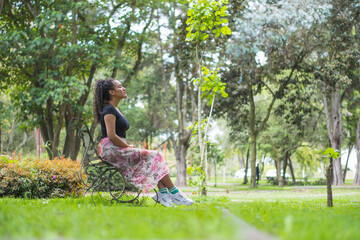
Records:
x=91, y=156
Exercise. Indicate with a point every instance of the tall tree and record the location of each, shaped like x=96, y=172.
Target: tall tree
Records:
x=280, y=33
x=55, y=51
x=337, y=59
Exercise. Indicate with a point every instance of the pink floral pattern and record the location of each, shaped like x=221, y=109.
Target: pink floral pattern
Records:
x=141, y=168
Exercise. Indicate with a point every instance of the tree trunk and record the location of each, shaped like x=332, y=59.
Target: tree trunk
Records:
x=181, y=167
x=58, y=128
x=357, y=173
x=328, y=184
x=241, y=161
x=285, y=166
x=12, y=133
x=253, y=161
x=334, y=129
x=246, y=166
x=66, y=148
x=292, y=171
x=179, y=148
x=253, y=135
x=278, y=172
x=215, y=172
x=208, y=166
x=347, y=161
x=45, y=137
x=70, y=135
x=25, y=140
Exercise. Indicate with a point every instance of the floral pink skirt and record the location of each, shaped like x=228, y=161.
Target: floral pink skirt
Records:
x=141, y=167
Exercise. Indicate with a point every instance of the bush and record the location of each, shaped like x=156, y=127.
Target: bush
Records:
x=305, y=182
x=39, y=178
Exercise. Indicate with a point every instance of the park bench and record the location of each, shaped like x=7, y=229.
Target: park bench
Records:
x=99, y=177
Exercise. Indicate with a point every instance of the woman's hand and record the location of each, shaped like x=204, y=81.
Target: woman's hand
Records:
x=131, y=146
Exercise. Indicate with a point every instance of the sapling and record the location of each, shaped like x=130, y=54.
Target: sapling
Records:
x=330, y=154
x=206, y=18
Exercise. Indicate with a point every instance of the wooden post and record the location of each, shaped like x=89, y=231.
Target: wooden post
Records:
x=165, y=150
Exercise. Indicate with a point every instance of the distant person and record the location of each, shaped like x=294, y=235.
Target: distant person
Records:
x=145, y=169
x=257, y=174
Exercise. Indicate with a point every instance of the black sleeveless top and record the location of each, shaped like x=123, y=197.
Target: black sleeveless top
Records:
x=121, y=124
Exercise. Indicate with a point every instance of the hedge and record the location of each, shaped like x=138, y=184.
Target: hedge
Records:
x=24, y=178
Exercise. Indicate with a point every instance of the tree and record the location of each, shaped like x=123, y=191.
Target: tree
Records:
x=330, y=154
x=294, y=123
x=206, y=18
x=56, y=49
x=281, y=34
x=335, y=70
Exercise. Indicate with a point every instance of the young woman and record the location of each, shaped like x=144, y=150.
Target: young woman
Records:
x=145, y=169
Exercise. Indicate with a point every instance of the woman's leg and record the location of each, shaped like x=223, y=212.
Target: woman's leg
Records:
x=166, y=182
x=161, y=185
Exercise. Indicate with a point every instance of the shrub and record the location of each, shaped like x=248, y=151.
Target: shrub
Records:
x=40, y=178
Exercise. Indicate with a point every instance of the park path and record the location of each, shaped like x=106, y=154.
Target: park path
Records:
x=246, y=231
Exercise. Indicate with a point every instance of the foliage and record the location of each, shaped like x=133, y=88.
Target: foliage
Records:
x=26, y=178
x=211, y=85
x=51, y=52
x=329, y=153
x=205, y=17
x=307, y=157
x=199, y=174
x=195, y=171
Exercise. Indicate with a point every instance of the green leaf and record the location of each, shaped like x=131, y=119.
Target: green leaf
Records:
x=224, y=94
x=223, y=30
x=190, y=12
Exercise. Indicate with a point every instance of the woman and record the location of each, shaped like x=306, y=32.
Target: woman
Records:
x=145, y=169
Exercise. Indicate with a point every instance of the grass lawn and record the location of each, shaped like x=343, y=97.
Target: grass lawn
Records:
x=80, y=219
x=301, y=213
x=289, y=213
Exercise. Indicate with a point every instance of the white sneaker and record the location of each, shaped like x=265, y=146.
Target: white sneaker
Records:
x=180, y=198
x=164, y=199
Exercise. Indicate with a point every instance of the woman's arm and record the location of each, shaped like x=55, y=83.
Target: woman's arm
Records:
x=110, y=121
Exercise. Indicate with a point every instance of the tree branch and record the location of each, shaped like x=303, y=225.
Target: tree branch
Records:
x=281, y=89
x=272, y=93
x=24, y=71
x=1, y=5
x=30, y=9
x=139, y=52
x=114, y=9
x=84, y=97
x=342, y=97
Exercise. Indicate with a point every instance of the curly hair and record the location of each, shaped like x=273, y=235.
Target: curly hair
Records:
x=101, y=96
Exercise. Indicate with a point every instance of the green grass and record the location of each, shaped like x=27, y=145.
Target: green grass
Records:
x=289, y=213
x=303, y=219
x=80, y=219
x=302, y=213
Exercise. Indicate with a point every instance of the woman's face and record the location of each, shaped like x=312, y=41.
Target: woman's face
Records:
x=119, y=91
